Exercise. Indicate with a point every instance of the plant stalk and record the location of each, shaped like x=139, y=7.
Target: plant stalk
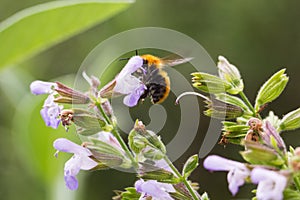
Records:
x=116, y=133
x=185, y=182
x=246, y=100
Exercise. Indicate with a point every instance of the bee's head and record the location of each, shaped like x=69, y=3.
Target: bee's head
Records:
x=151, y=60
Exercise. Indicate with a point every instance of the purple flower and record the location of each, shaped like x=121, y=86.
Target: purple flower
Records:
x=237, y=172
x=42, y=87
x=154, y=189
x=79, y=161
x=50, y=112
x=269, y=131
x=128, y=84
x=270, y=184
x=108, y=138
x=163, y=165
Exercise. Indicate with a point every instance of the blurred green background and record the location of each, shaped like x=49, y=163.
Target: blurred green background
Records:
x=260, y=37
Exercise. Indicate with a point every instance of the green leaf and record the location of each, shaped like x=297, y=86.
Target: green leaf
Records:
x=190, y=165
x=35, y=29
x=290, y=121
x=130, y=194
x=290, y=194
x=271, y=89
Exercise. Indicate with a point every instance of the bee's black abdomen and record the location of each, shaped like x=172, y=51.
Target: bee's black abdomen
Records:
x=156, y=81
x=157, y=92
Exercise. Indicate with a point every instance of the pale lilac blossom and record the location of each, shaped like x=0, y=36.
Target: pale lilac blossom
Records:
x=51, y=110
x=269, y=131
x=163, y=164
x=237, y=172
x=79, y=161
x=271, y=184
x=41, y=87
x=154, y=189
x=108, y=138
x=128, y=84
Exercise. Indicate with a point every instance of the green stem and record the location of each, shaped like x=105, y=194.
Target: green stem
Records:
x=297, y=182
x=116, y=133
x=185, y=182
x=246, y=100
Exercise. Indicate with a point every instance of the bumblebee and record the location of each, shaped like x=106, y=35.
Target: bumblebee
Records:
x=155, y=78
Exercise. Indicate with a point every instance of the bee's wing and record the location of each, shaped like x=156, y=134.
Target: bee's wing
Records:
x=173, y=60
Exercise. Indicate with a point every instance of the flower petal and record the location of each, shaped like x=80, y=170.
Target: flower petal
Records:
x=154, y=189
x=87, y=163
x=71, y=182
x=236, y=178
x=271, y=131
x=271, y=184
x=218, y=163
x=50, y=112
x=237, y=174
x=127, y=84
x=108, y=137
x=65, y=145
x=42, y=87
x=163, y=164
x=227, y=69
x=133, y=64
x=132, y=99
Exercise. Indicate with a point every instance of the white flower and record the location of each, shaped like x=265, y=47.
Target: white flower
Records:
x=271, y=184
x=237, y=172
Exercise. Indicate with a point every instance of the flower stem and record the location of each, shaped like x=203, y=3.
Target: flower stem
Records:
x=116, y=133
x=185, y=182
x=246, y=100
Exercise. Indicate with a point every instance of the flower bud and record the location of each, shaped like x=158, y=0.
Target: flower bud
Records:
x=260, y=154
x=271, y=89
x=152, y=139
x=290, y=121
x=106, y=149
x=231, y=75
x=151, y=172
x=234, y=101
x=233, y=133
x=221, y=110
x=153, y=154
x=209, y=83
x=190, y=165
x=295, y=160
x=136, y=142
x=70, y=96
x=272, y=138
x=88, y=123
x=106, y=160
x=108, y=90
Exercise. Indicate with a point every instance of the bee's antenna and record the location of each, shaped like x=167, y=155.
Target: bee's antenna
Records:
x=123, y=59
x=136, y=53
